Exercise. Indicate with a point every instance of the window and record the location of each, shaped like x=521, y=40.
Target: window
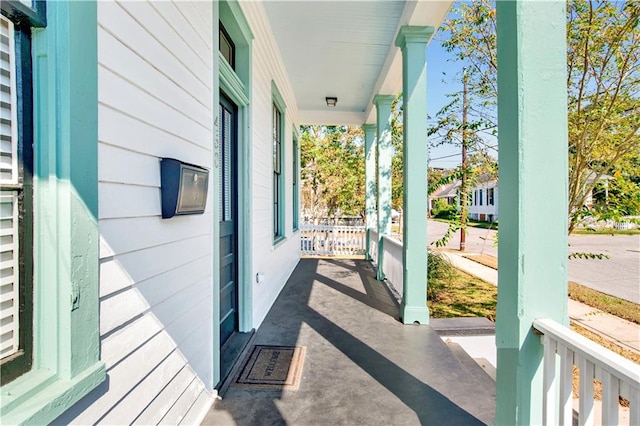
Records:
x=480, y=194
x=16, y=200
x=226, y=47
x=57, y=140
x=278, y=175
x=475, y=197
x=296, y=195
x=490, y=196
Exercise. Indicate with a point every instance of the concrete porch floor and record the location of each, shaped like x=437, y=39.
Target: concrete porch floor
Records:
x=362, y=365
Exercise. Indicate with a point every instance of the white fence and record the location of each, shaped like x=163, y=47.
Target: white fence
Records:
x=329, y=240
x=373, y=245
x=392, y=263
x=618, y=376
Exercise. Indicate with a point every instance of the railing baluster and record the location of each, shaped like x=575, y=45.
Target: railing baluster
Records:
x=549, y=382
x=566, y=386
x=586, y=416
x=610, y=392
x=634, y=406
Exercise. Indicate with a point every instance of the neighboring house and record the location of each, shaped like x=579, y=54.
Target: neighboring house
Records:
x=448, y=192
x=112, y=314
x=483, y=200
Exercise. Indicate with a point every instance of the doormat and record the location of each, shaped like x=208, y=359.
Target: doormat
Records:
x=272, y=368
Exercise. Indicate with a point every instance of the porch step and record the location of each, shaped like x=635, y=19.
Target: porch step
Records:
x=474, y=326
x=487, y=367
x=474, y=368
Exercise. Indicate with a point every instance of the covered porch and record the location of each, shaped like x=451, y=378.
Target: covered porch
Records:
x=363, y=54
x=362, y=366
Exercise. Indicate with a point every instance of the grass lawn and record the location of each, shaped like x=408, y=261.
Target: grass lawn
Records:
x=609, y=304
x=606, y=232
x=461, y=295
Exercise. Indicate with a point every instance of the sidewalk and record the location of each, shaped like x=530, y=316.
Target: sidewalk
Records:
x=618, y=330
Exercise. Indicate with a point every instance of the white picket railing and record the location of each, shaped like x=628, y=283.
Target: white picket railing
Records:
x=328, y=240
x=619, y=377
x=373, y=245
x=392, y=263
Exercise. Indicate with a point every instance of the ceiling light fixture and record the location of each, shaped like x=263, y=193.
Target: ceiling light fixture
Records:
x=331, y=101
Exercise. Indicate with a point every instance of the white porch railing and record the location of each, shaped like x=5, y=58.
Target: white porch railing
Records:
x=392, y=263
x=332, y=240
x=373, y=245
x=619, y=377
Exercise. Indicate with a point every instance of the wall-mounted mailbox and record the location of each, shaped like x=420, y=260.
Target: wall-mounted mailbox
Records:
x=184, y=188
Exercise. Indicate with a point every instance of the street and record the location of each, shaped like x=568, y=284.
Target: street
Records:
x=619, y=275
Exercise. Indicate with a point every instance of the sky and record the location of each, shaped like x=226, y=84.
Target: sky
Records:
x=439, y=62
x=441, y=66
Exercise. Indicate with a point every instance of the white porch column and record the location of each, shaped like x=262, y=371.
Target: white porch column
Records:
x=532, y=121
x=384, y=154
x=413, y=42
x=370, y=180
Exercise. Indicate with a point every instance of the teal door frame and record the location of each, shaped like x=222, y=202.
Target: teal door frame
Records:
x=236, y=84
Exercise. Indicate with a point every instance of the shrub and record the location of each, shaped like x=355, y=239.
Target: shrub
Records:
x=439, y=273
x=443, y=210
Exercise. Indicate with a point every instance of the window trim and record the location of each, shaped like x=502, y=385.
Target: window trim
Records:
x=278, y=176
x=66, y=343
x=226, y=35
x=295, y=181
x=22, y=361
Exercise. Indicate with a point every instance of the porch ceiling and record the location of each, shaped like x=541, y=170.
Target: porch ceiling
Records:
x=345, y=49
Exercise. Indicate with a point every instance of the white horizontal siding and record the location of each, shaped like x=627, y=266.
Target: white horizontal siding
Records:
x=278, y=262
x=155, y=82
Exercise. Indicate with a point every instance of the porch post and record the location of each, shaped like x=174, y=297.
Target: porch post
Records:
x=532, y=122
x=370, y=180
x=413, y=42
x=383, y=122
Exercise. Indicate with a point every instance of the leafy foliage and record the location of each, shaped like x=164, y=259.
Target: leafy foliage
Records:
x=443, y=210
x=332, y=171
x=439, y=273
x=603, y=79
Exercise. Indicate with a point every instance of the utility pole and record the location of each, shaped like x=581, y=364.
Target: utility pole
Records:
x=463, y=184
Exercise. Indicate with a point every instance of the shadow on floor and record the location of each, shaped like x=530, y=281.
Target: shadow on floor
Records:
x=362, y=365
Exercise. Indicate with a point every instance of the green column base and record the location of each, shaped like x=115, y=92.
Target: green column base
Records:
x=415, y=314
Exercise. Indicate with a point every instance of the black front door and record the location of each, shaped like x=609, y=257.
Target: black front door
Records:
x=228, y=220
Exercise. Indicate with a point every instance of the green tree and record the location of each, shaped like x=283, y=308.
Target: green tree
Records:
x=332, y=171
x=603, y=80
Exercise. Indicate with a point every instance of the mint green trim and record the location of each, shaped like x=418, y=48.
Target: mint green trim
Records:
x=278, y=99
x=66, y=329
x=532, y=66
x=279, y=103
x=237, y=85
x=43, y=397
x=231, y=9
x=234, y=21
x=233, y=86
x=413, y=34
x=296, y=175
x=277, y=242
x=215, y=192
x=384, y=154
x=413, y=41
x=370, y=146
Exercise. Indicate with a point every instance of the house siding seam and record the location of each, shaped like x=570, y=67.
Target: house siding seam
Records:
x=155, y=78
x=276, y=262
